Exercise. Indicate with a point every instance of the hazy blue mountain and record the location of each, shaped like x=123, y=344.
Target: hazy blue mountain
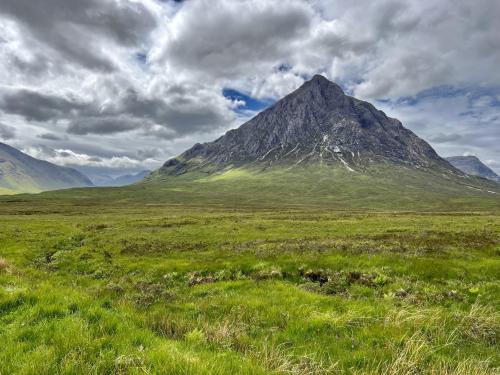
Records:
x=128, y=179
x=473, y=166
x=21, y=173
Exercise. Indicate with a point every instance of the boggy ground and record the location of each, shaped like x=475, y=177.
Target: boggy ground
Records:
x=175, y=290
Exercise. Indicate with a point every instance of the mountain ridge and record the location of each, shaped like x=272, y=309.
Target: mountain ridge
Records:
x=122, y=180
x=472, y=165
x=21, y=173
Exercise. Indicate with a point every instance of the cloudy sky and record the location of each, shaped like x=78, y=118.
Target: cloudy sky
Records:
x=114, y=86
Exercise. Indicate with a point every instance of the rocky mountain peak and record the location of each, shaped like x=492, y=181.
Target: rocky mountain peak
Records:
x=472, y=165
x=321, y=81
x=317, y=123
x=320, y=87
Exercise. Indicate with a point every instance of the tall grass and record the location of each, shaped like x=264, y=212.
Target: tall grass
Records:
x=177, y=290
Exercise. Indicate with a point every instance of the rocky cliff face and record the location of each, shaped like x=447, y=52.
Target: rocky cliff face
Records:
x=317, y=123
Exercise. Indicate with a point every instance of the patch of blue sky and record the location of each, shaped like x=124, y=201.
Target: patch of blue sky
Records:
x=248, y=103
x=284, y=67
x=141, y=57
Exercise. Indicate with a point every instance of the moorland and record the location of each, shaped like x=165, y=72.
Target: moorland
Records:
x=156, y=279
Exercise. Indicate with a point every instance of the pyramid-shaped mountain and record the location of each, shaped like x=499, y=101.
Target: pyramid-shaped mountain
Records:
x=317, y=123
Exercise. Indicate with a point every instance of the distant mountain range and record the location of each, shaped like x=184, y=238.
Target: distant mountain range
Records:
x=128, y=179
x=21, y=173
x=473, y=166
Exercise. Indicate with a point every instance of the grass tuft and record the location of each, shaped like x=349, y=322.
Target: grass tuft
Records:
x=4, y=265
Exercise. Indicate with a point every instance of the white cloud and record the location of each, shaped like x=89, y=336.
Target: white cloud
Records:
x=71, y=158
x=115, y=77
x=7, y=132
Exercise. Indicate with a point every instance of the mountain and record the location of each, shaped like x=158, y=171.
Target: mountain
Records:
x=318, y=147
x=130, y=179
x=21, y=173
x=473, y=166
x=317, y=123
x=124, y=180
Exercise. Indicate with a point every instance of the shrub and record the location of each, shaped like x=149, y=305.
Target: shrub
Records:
x=168, y=326
x=269, y=273
x=196, y=337
x=4, y=265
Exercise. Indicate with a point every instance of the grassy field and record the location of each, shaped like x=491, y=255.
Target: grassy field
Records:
x=156, y=279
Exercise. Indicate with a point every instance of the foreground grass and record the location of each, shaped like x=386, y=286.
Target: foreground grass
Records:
x=133, y=289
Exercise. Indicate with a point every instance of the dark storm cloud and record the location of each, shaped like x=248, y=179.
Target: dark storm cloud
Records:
x=75, y=28
x=175, y=117
x=102, y=125
x=7, y=132
x=235, y=35
x=147, y=154
x=40, y=64
x=50, y=137
x=183, y=113
x=64, y=154
x=37, y=106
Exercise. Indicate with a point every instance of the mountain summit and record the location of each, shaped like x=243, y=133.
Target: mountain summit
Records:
x=317, y=123
x=473, y=166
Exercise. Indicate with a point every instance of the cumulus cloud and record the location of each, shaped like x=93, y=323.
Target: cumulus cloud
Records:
x=79, y=30
x=7, y=132
x=469, y=123
x=69, y=157
x=102, y=125
x=445, y=138
x=37, y=106
x=229, y=38
x=122, y=77
x=495, y=164
x=51, y=137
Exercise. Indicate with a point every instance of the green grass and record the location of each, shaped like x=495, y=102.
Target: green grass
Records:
x=4, y=191
x=383, y=188
x=209, y=278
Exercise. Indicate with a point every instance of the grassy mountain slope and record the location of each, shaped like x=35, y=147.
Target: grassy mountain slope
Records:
x=302, y=187
x=384, y=187
x=123, y=180
x=20, y=173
